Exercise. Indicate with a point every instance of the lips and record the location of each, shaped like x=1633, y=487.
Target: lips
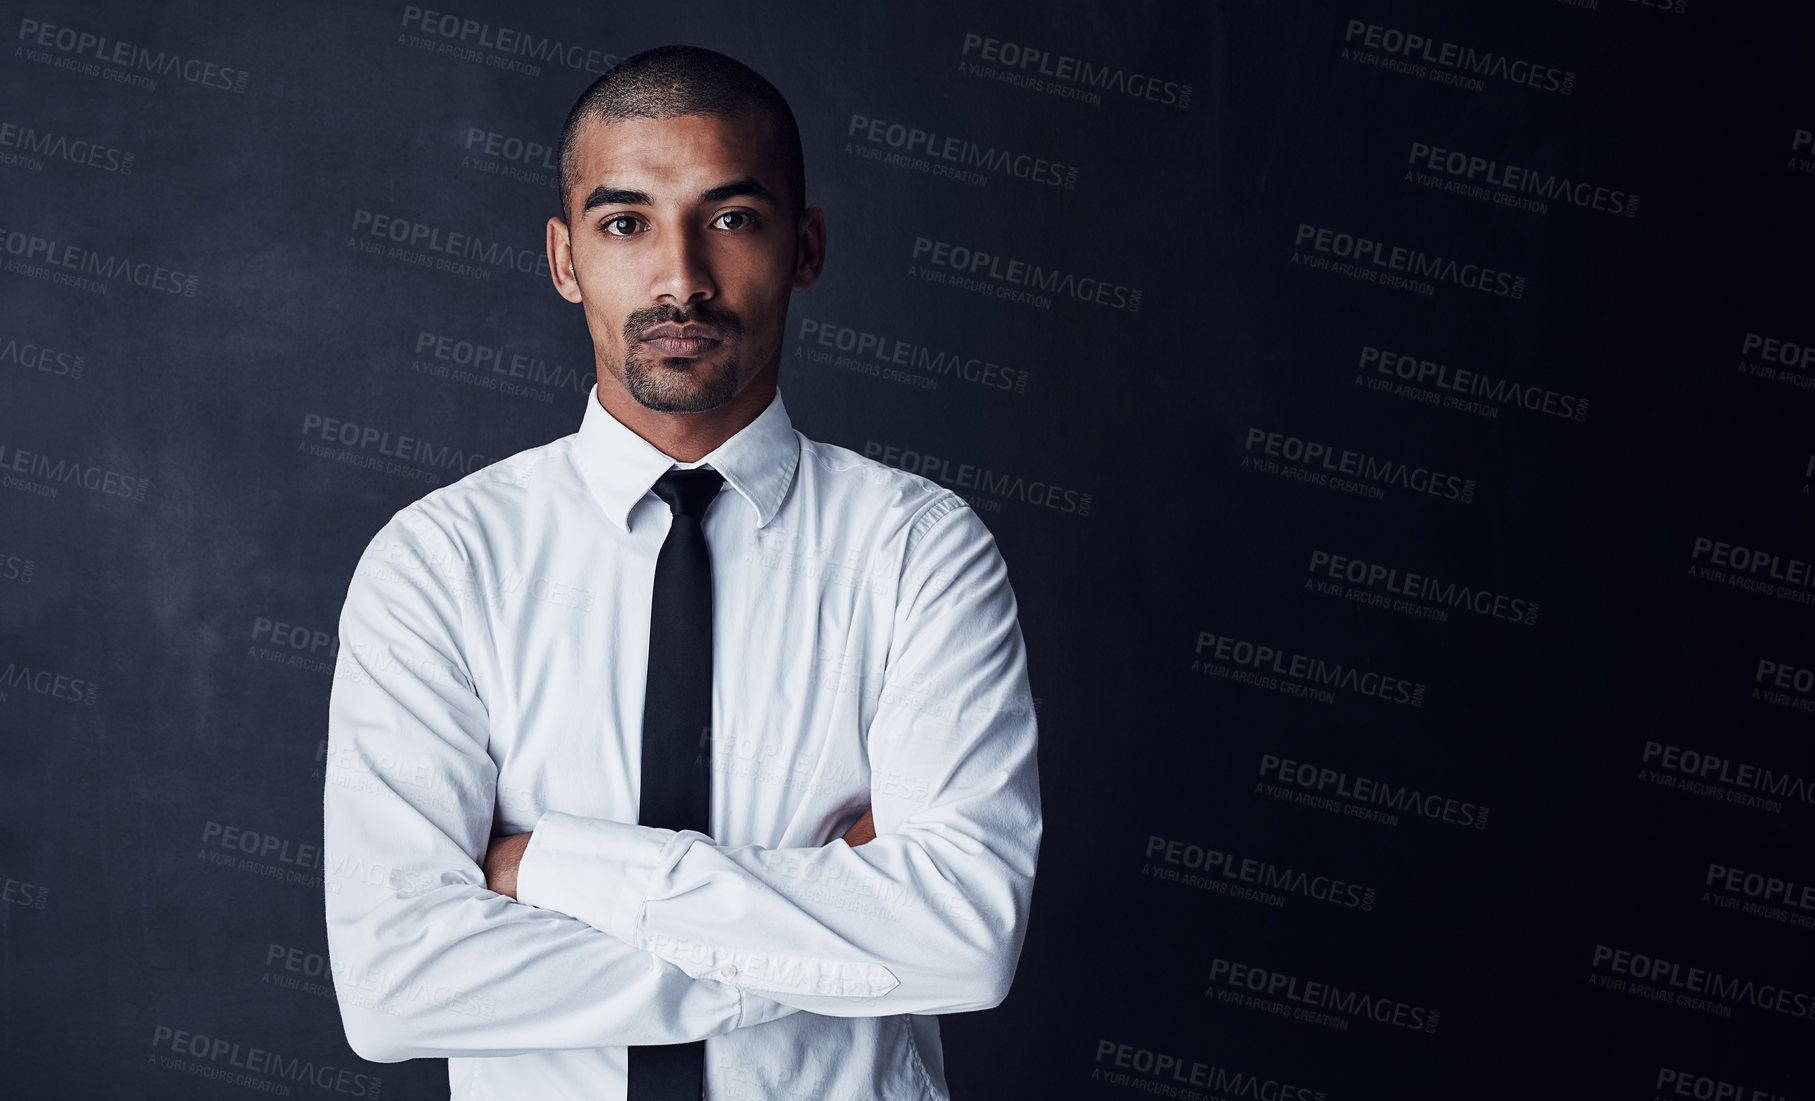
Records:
x=680, y=340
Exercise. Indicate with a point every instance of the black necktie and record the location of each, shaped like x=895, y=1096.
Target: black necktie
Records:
x=677, y=722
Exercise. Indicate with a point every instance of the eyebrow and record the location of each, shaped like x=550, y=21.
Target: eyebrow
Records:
x=746, y=186
x=606, y=196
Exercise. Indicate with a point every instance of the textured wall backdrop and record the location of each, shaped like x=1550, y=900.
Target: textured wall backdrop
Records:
x=1398, y=418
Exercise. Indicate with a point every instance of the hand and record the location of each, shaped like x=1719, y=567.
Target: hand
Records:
x=501, y=859
x=864, y=829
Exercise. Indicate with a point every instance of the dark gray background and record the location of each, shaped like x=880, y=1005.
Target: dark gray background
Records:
x=189, y=719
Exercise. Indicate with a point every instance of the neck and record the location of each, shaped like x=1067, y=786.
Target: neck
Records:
x=688, y=437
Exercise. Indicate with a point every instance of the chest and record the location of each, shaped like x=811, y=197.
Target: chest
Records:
x=802, y=622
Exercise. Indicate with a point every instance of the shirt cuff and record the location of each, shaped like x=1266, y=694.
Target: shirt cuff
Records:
x=593, y=869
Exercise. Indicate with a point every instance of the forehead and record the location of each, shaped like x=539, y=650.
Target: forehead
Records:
x=684, y=154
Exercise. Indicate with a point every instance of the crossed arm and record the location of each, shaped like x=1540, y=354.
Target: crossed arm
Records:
x=645, y=936
x=504, y=853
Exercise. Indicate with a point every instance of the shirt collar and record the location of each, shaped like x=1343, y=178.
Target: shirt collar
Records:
x=619, y=466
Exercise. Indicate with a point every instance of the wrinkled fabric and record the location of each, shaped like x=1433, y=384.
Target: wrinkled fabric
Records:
x=490, y=680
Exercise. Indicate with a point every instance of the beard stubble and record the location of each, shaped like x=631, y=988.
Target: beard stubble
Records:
x=681, y=384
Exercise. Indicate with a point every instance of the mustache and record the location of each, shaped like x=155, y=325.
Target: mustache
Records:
x=723, y=323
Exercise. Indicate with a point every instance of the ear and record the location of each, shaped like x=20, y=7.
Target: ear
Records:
x=809, y=247
x=560, y=260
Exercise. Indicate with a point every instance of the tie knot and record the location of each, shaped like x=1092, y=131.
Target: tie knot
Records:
x=688, y=492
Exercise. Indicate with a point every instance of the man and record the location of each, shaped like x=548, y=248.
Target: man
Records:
x=529, y=876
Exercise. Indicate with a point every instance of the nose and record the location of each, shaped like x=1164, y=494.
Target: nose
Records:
x=683, y=273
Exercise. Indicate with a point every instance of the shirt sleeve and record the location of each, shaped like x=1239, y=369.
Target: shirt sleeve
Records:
x=426, y=961
x=927, y=918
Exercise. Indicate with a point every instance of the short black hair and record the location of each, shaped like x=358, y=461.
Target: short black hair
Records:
x=670, y=81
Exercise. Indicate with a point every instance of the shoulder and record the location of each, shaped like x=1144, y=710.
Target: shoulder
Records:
x=945, y=554
x=496, y=498
x=845, y=484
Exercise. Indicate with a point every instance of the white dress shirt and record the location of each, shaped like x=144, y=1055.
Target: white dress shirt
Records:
x=490, y=680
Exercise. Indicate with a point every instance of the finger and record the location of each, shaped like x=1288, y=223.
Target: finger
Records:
x=864, y=829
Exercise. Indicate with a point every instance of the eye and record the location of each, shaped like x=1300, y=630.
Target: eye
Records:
x=740, y=219
x=620, y=225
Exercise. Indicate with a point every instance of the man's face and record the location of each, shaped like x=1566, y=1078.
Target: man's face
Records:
x=683, y=253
